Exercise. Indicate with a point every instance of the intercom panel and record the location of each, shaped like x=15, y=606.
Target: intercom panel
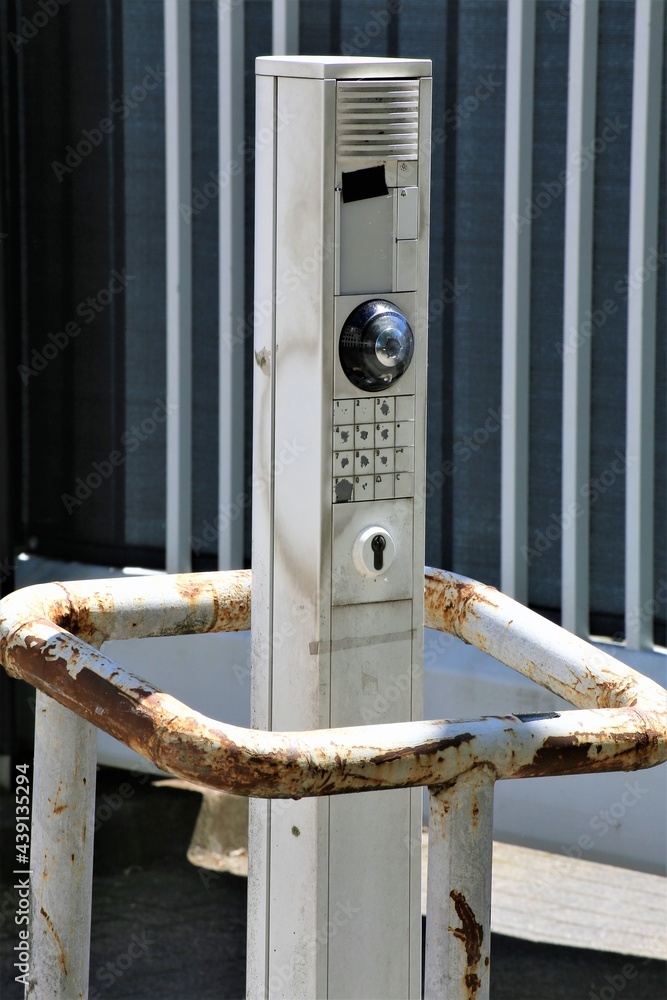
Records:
x=342, y=213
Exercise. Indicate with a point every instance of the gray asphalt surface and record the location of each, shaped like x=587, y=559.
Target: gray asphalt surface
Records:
x=163, y=929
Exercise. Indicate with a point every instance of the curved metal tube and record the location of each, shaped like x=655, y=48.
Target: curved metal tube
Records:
x=621, y=724
x=556, y=659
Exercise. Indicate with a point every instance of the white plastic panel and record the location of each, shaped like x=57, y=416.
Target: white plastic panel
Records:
x=366, y=245
x=371, y=648
x=407, y=211
x=405, y=275
x=349, y=586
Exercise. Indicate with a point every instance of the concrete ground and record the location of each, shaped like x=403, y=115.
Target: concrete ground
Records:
x=164, y=929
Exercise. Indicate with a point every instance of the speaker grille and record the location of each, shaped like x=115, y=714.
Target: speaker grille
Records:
x=378, y=119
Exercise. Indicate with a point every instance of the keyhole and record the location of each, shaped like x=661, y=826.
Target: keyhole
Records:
x=378, y=545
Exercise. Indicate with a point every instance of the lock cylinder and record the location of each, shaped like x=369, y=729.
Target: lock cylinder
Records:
x=376, y=345
x=373, y=551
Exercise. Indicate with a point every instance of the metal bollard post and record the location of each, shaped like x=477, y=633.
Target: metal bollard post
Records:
x=61, y=857
x=458, y=911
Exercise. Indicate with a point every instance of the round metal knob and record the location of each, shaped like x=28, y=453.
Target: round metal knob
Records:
x=376, y=345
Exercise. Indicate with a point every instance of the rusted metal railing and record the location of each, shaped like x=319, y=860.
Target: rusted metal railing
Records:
x=50, y=636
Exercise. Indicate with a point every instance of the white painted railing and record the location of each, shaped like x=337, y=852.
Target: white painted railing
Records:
x=50, y=636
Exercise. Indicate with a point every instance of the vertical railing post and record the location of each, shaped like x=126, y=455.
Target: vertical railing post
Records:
x=642, y=323
x=61, y=855
x=458, y=909
x=516, y=297
x=231, y=221
x=285, y=22
x=178, y=181
x=577, y=303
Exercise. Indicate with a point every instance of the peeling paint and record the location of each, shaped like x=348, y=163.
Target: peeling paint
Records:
x=263, y=361
x=437, y=746
x=471, y=934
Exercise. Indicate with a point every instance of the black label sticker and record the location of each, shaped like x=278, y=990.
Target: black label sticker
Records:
x=537, y=716
x=361, y=184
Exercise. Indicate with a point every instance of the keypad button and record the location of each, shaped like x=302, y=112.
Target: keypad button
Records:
x=343, y=463
x=364, y=411
x=343, y=437
x=404, y=484
x=343, y=491
x=384, y=408
x=405, y=408
x=384, y=460
x=364, y=436
x=384, y=435
x=384, y=487
x=404, y=460
x=364, y=488
x=407, y=227
x=405, y=434
x=343, y=411
x=364, y=463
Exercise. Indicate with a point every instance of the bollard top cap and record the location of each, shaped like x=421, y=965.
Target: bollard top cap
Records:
x=342, y=67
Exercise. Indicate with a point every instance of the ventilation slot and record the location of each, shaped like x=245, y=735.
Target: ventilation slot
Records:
x=378, y=119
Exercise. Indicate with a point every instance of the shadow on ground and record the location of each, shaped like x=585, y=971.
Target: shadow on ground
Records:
x=163, y=929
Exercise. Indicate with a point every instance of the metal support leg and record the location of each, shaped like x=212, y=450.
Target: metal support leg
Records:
x=61, y=857
x=458, y=911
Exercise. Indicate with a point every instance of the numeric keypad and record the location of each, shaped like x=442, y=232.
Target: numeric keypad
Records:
x=373, y=448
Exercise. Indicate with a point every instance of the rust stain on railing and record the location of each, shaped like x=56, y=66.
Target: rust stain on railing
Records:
x=471, y=935
x=62, y=957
